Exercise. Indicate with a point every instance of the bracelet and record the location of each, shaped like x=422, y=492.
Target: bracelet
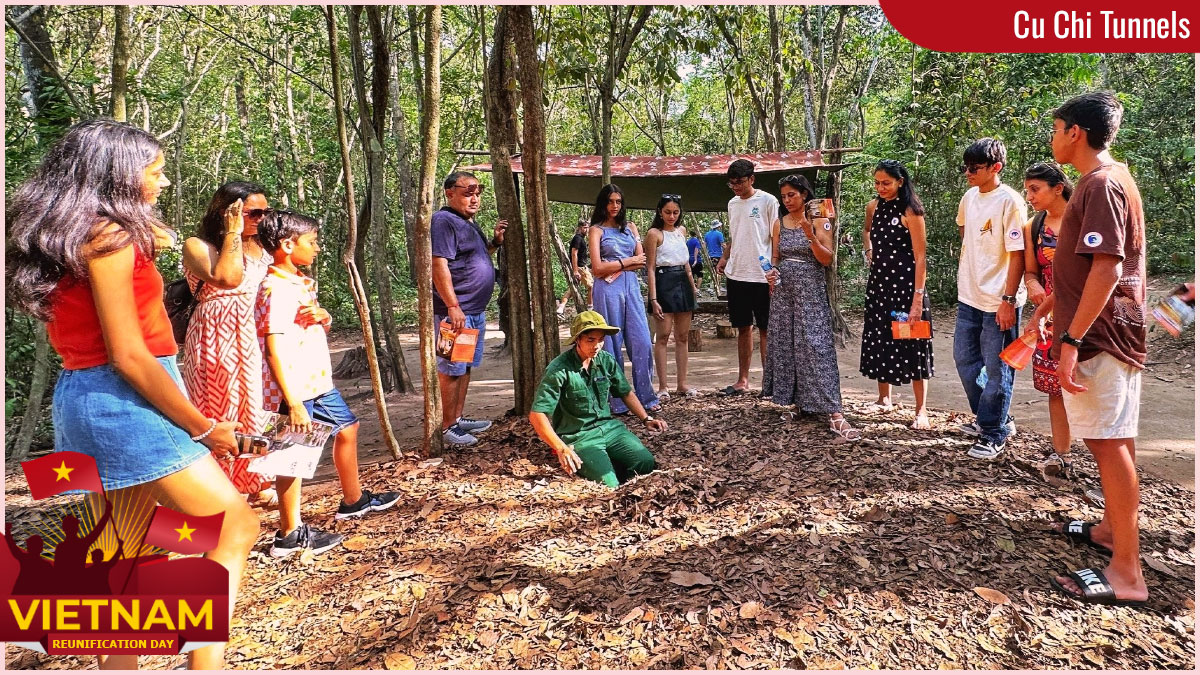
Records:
x=204, y=435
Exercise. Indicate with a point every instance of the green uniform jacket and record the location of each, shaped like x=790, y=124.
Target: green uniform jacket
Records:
x=576, y=399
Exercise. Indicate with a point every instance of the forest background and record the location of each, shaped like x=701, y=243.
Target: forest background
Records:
x=246, y=92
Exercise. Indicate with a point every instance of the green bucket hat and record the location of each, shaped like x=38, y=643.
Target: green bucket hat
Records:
x=590, y=320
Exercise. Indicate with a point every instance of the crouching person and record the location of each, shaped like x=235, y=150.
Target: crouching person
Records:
x=571, y=413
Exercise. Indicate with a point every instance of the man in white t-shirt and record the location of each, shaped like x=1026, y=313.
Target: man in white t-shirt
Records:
x=991, y=292
x=752, y=212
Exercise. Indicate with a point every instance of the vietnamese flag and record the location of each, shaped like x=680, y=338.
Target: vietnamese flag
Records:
x=61, y=471
x=180, y=533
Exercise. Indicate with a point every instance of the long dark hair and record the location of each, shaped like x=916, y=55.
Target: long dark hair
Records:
x=801, y=184
x=658, y=219
x=907, y=195
x=92, y=176
x=600, y=212
x=212, y=225
x=1053, y=175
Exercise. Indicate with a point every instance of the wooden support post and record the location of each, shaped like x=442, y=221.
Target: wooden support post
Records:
x=695, y=340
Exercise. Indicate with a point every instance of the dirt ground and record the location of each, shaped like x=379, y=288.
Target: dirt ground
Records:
x=1166, y=444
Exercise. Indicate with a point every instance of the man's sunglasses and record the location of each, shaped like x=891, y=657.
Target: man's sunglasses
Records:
x=972, y=168
x=470, y=190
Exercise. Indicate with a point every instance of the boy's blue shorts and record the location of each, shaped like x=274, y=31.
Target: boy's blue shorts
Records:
x=329, y=408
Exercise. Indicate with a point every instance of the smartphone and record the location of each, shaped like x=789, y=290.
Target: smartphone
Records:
x=250, y=445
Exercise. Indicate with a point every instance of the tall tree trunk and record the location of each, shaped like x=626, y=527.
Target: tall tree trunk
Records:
x=375, y=127
x=355, y=281
x=624, y=26
x=293, y=134
x=120, y=62
x=243, y=110
x=404, y=178
x=833, y=286
x=537, y=208
x=810, y=88
x=829, y=74
x=776, y=66
x=430, y=127
x=501, y=112
x=414, y=44
x=51, y=115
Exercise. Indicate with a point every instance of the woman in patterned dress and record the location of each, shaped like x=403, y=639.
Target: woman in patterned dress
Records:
x=802, y=368
x=1047, y=189
x=222, y=364
x=894, y=245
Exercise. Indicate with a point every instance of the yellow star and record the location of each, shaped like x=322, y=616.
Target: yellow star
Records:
x=185, y=532
x=64, y=472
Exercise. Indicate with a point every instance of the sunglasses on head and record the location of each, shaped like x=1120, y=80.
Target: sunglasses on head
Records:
x=675, y=198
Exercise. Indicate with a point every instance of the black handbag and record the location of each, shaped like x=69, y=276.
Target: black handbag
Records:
x=180, y=302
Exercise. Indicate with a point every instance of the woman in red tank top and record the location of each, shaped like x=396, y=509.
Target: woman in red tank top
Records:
x=83, y=236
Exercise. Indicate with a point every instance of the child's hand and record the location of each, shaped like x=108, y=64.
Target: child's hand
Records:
x=299, y=419
x=311, y=314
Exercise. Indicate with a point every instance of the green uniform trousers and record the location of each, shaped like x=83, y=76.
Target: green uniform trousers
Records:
x=611, y=454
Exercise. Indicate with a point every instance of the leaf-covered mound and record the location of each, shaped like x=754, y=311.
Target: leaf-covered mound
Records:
x=760, y=543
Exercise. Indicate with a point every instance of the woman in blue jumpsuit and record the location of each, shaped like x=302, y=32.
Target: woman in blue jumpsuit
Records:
x=616, y=253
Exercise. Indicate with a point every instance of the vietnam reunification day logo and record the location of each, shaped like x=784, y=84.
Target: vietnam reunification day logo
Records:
x=94, y=577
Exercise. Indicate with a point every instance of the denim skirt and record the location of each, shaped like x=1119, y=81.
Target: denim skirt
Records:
x=98, y=413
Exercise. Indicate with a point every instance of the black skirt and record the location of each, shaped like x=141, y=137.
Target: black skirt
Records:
x=674, y=291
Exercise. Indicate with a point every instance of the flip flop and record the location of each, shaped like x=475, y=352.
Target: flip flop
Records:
x=1081, y=532
x=1096, y=589
x=731, y=391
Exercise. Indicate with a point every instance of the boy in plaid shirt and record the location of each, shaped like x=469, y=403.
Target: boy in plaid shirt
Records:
x=298, y=379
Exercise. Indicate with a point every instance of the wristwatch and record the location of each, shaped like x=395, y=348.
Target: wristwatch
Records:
x=1010, y=299
x=919, y=291
x=648, y=418
x=1066, y=339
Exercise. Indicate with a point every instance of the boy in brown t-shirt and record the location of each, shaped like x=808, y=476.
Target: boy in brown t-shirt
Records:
x=1100, y=300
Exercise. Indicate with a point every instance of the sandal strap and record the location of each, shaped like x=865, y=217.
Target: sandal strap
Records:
x=1094, y=584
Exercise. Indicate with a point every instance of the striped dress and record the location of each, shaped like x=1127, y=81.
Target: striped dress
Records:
x=222, y=362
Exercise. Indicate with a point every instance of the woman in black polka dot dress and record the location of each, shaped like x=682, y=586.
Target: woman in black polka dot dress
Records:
x=894, y=242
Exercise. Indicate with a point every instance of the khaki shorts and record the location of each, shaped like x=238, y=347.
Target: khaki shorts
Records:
x=1110, y=406
x=585, y=279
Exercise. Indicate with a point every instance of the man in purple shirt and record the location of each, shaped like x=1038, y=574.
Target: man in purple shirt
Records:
x=463, y=281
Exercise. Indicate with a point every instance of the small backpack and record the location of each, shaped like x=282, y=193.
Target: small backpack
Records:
x=180, y=302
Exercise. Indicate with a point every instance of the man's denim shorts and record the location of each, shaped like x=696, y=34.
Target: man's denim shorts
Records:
x=448, y=367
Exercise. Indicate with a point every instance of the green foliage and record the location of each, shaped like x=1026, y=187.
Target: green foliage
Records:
x=683, y=92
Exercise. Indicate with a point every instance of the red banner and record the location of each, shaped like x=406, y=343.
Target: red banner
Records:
x=181, y=533
x=61, y=471
x=1064, y=26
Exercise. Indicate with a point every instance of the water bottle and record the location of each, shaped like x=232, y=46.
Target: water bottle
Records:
x=766, y=264
x=902, y=317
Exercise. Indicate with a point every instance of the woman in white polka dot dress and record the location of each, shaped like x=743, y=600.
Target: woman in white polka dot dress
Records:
x=894, y=243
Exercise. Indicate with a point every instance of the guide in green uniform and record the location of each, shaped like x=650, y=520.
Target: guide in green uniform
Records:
x=571, y=414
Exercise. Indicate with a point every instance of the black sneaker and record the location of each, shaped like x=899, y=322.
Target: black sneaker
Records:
x=301, y=538
x=986, y=451
x=367, y=502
